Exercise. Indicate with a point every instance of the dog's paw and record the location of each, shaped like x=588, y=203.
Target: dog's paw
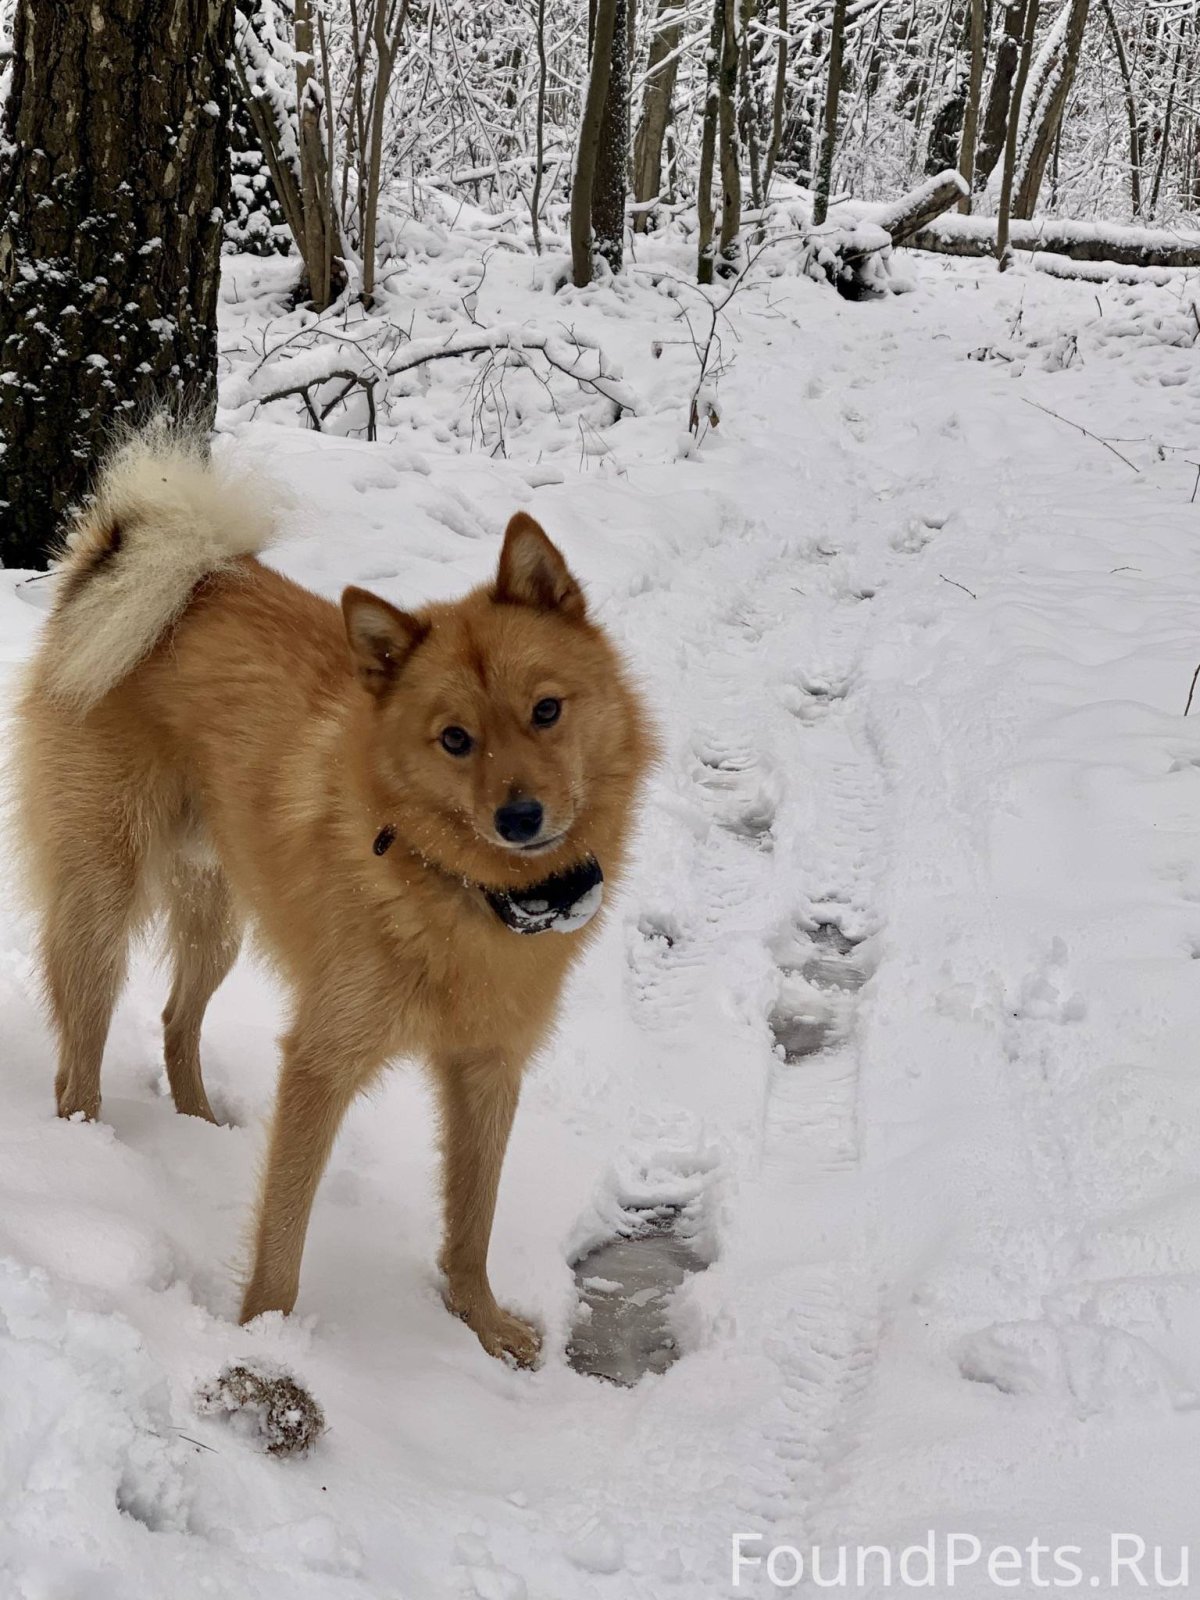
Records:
x=503, y=1335
x=508, y=1338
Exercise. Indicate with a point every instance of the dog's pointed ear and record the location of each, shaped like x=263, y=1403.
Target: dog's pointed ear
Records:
x=533, y=572
x=381, y=638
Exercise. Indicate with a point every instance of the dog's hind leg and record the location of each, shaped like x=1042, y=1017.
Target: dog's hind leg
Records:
x=87, y=917
x=204, y=936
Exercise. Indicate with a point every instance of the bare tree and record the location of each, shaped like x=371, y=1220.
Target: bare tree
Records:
x=708, y=147
x=657, y=97
x=731, y=164
x=386, y=25
x=604, y=21
x=1042, y=137
x=114, y=176
x=535, y=198
x=1130, y=109
x=779, y=99
x=612, y=154
x=990, y=146
x=833, y=95
x=966, y=156
x=295, y=136
x=1028, y=28
x=322, y=245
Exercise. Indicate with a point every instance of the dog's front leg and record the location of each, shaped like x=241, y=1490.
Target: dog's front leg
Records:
x=311, y=1101
x=478, y=1092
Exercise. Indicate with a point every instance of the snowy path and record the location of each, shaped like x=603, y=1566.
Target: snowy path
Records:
x=898, y=1009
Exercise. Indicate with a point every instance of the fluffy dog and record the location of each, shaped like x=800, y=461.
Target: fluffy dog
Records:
x=203, y=740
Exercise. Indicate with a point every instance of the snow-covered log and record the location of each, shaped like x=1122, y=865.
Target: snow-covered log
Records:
x=921, y=206
x=1082, y=241
x=849, y=252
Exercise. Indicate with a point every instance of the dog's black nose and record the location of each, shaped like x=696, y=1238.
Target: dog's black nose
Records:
x=519, y=821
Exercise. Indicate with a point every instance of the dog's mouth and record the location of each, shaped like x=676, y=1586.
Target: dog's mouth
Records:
x=535, y=847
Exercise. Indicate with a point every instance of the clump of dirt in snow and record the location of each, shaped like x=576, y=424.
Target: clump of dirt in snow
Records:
x=268, y=1407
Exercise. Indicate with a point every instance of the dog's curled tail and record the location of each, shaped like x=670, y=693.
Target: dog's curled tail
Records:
x=162, y=517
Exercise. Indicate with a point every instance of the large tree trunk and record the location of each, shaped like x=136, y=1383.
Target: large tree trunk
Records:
x=731, y=159
x=995, y=117
x=780, y=96
x=708, y=146
x=970, y=134
x=1042, y=138
x=661, y=71
x=601, y=28
x=1029, y=27
x=1131, y=112
x=833, y=95
x=612, y=154
x=112, y=195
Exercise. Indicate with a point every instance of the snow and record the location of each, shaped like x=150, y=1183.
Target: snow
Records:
x=919, y=651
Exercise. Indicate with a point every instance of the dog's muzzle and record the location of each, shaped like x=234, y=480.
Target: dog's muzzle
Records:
x=559, y=904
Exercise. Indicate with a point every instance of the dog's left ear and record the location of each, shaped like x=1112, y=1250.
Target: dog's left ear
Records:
x=533, y=572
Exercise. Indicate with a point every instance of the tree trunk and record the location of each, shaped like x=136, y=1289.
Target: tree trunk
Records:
x=780, y=97
x=602, y=25
x=322, y=246
x=113, y=186
x=748, y=107
x=1135, y=132
x=535, y=199
x=731, y=165
x=661, y=71
x=1164, y=143
x=966, y=154
x=1041, y=140
x=1029, y=25
x=708, y=146
x=833, y=95
x=995, y=118
x=612, y=155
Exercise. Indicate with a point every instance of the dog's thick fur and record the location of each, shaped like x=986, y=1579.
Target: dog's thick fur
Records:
x=201, y=738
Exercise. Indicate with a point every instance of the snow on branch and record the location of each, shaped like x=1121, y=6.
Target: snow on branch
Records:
x=303, y=369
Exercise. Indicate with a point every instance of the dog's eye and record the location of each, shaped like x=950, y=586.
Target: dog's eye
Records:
x=546, y=712
x=456, y=741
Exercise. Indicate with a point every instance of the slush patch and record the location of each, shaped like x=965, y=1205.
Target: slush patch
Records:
x=623, y=1329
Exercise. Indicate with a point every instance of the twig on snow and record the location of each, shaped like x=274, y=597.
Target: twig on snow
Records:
x=961, y=586
x=1191, y=691
x=1087, y=432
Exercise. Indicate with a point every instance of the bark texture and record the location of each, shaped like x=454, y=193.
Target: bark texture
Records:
x=661, y=70
x=601, y=30
x=833, y=96
x=113, y=187
x=1043, y=137
x=995, y=116
x=1029, y=28
x=970, y=133
x=612, y=154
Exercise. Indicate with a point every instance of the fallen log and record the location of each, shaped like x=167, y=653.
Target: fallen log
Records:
x=957, y=235
x=848, y=249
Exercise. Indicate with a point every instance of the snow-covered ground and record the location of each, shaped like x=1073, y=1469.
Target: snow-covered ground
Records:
x=920, y=654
